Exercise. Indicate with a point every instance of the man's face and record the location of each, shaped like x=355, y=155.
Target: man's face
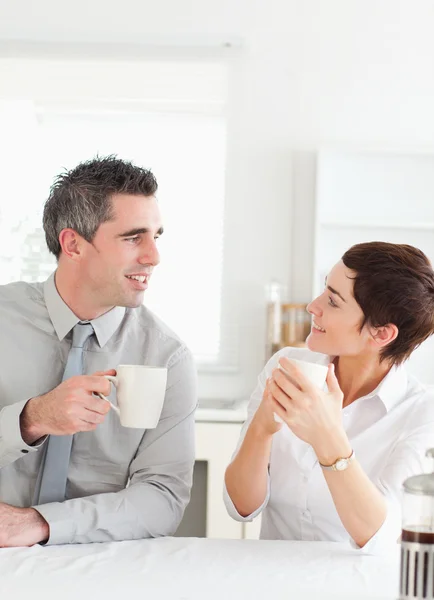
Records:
x=117, y=265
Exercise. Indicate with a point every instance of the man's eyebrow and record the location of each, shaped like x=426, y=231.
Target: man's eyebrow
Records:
x=137, y=231
x=333, y=291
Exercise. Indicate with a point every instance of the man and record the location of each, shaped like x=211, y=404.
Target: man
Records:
x=102, y=223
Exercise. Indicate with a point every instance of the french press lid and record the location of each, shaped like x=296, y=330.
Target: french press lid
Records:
x=422, y=485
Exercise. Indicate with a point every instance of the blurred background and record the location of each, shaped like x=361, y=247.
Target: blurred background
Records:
x=281, y=132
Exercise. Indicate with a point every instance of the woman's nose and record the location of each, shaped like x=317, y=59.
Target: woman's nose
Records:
x=314, y=308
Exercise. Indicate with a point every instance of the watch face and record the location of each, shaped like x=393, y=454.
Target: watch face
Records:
x=341, y=464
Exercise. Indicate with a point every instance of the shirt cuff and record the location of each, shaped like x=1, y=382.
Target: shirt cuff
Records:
x=58, y=517
x=232, y=511
x=386, y=538
x=10, y=432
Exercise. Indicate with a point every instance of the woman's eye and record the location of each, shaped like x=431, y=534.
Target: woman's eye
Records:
x=332, y=302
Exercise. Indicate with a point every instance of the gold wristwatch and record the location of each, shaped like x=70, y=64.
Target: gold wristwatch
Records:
x=340, y=464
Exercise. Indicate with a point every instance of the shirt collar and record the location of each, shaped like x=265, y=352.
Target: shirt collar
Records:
x=391, y=389
x=64, y=319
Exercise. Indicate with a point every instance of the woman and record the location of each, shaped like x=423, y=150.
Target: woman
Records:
x=376, y=308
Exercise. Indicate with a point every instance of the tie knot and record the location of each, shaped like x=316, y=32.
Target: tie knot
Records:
x=80, y=333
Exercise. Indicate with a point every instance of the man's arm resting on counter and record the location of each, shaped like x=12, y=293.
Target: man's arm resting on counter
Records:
x=21, y=526
x=160, y=478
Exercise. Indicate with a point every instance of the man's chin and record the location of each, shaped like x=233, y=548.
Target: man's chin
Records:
x=132, y=302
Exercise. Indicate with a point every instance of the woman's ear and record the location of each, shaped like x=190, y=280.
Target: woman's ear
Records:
x=385, y=335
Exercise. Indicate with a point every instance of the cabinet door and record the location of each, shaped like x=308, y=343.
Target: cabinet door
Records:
x=215, y=444
x=251, y=530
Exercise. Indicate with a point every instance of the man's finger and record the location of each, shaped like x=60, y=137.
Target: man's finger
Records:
x=93, y=417
x=109, y=372
x=98, y=405
x=96, y=383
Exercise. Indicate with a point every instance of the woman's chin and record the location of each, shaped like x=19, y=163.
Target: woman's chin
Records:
x=317, y=345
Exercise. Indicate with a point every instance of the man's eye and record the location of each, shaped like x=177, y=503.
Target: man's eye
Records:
x=132, y=239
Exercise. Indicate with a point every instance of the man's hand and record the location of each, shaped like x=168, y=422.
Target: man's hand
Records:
x=21, y=526
x=69, y=408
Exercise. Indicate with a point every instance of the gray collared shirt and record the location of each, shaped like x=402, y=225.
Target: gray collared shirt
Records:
x=122, y=483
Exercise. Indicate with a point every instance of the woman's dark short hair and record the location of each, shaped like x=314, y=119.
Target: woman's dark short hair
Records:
x=80, y=199
x=394, y=283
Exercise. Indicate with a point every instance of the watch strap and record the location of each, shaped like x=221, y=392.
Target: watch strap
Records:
x=340, y=464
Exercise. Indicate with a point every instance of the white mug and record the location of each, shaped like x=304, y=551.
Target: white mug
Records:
x=316, y=373
x=140, y=392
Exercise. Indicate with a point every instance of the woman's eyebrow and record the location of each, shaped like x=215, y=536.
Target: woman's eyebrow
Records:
x=333, y=291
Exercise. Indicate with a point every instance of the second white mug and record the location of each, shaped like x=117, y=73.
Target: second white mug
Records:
x=315, y=372
x=140, y=392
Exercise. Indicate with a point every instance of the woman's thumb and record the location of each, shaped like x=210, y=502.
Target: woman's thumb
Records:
x=332, y=382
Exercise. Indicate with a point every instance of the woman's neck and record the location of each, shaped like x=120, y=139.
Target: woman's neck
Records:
x=359, y=375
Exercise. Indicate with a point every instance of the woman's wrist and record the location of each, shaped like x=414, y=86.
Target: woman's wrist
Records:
x=259, y=431
x=329, y=449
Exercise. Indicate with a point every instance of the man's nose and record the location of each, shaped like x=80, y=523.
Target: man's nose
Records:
x=150, y=255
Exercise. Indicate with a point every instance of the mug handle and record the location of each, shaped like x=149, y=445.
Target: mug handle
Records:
x=114, y=381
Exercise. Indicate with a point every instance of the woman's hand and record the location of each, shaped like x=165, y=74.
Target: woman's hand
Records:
x=263, y=421
x=313, y=415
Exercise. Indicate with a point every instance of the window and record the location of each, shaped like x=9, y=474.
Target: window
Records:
x=174, y=125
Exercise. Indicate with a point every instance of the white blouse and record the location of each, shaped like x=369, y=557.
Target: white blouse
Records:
x=389, y=430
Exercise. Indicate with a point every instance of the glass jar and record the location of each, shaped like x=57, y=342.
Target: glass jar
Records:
x=296, y=324
x=274, y=296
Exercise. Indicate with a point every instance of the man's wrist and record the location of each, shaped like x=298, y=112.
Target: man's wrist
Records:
x=31, y=431
x=38, y=525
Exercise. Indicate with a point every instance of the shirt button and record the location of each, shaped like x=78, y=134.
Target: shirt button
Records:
x=25, y=451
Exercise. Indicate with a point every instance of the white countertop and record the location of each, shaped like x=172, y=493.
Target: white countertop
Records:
x=237, y=414
x=197, y=569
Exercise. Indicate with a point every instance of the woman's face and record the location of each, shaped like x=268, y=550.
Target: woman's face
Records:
x=336, y=318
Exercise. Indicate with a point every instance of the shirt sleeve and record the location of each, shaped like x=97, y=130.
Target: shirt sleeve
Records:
x=160, y=477
x=254, y=403
x=407, y=459
x=12, y=445
x=232, y=511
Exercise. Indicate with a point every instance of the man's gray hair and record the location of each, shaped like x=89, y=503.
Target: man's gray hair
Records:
x=80, y=199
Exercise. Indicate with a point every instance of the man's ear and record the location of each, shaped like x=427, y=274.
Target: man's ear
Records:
x=384, y=335
x=71, y=243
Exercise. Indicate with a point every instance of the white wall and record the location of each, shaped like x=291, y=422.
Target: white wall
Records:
x=312, y=72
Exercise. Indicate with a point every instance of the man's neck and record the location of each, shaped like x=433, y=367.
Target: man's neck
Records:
x=72, y=292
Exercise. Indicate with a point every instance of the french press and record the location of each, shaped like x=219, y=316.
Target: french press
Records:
x=417, y=540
